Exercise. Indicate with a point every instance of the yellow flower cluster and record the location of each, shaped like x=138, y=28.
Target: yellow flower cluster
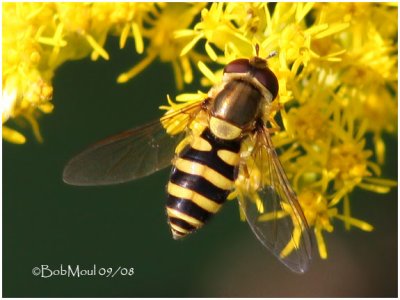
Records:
x=336, y=64
x=39, y=37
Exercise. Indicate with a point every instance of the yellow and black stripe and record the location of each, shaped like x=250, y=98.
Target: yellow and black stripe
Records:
x=202, y=177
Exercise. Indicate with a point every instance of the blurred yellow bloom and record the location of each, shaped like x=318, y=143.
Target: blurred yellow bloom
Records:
x=162, y=44
x=38, y=37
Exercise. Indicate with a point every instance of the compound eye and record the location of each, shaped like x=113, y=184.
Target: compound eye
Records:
x=262, y=73
x=241, y=65
x=268, y=79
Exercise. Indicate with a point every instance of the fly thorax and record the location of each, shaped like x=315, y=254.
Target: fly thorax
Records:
x=236, y=106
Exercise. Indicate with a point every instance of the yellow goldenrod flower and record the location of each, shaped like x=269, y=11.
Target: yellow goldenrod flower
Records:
x=369, y=65
x=164, y=46
x=217, y=28
x=319, y=213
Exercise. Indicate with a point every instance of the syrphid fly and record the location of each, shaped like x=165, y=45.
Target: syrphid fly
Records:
x=223, y=146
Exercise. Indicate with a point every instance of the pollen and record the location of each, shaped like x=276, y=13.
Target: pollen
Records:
x=309, y=123
x=349, y=162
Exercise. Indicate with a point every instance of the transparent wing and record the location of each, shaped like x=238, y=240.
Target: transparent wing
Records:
x=271, y=207
x=131, y=154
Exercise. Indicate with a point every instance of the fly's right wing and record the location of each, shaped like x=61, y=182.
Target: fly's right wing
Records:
x=271, y=207
x=131, y=154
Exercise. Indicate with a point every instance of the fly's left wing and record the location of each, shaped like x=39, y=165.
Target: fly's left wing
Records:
x=131, y=154
x=271, y=206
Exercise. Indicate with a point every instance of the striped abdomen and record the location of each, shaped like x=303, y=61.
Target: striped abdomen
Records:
x=202, y=177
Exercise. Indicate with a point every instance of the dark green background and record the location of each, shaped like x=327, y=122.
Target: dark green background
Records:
x=48, y=222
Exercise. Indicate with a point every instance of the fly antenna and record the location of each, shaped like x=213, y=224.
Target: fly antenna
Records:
x=272, y=54
x=257, y=47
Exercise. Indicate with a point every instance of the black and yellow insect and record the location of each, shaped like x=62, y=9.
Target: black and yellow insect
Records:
x=226, y=146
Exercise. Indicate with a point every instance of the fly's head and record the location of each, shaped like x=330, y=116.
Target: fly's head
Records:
x=256, y=67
